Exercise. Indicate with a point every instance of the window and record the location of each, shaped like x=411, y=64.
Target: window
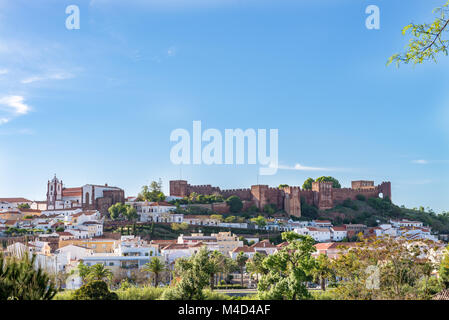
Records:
x=111, y=264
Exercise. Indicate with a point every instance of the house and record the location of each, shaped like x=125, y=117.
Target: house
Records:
x=14, y=202
x=333, y=249
x=338, y=233
x=98, y=245
x=265, y=246
x=248, y=251
x=175, y=251
x=321, y=223
x=74, y=252
x=406, y=223
x=222, y=241
x=162, y=212
x=201, y=220
x=318, y=234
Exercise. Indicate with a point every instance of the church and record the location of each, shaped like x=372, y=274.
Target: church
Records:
x=87, y=197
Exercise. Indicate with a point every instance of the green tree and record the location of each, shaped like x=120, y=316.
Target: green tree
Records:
x=20, y=280
x=152, y=193
x=235, y=204
x=427, y=41
x=241, y=260
x=322, y=270
x=23, y=206
x=288, y=270
x=260, y=221
x=307, y=185
x=282, y=186
x=117, y=211
x=94, y=290
x=255, y=265
x=155, y=267
x=444, y=270
x=335, y=182
x=99, y=272
x=193, y=276
x=217, y=217
x=230, y=219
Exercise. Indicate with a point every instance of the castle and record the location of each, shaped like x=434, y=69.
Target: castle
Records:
x=322, y=195
x=87, y=197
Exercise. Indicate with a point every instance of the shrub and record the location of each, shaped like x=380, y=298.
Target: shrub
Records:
x=94, y=290
x=145, y=293
x=360, y=197
x=235, y=204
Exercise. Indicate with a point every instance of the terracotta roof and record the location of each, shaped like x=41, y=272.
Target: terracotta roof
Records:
x=282, y=244
x=64, y=233
x=72, y=192
x=86, y=213
x=339, y=228
x=162, y=204
x=174, y=246
x=243, y=249
x=30, y=210
x=14, y=200
x=323, y=245
x=263, y=244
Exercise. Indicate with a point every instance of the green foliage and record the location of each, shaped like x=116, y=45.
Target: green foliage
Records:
x=282, y=186
x=335, y=182
x=288, y=270
x=307, y=211
x=360, y=197
x=94, y=290
x=348, y=203
x=23, y=206
x=235, y=204
x=20, y=280
x=444, y=270
x=180, y=226
x=260, y=221
x=152, y=193
x=134, y=293
x=270, y=208
x=307, y=185
x=427, y=40
x=155, y=267
x=120, y=211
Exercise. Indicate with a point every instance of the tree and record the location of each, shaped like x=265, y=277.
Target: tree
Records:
x=322, y=270
x=307, y=185
x=155, y=267
x=255, y=265
x=335, y=183
x=427, y=40
x=288, y=270
x=444, y=270
x=99, y=272
x=152, y=193
x=217, y=264
x=94, y=290
x=282, y=186
x=194, y=276
x=230, y=219
x=130, y=213
x=270, y=208
x=260, y=221
x=179, y=226
x=20, y=280
x=235, y=204
x=217, y=217
x=23, y=206
x=384, y=268
x=241, y=263
x=117, y=211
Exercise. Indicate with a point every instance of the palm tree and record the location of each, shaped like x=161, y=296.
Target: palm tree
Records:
x=99, y=272
x=255, y=265
x=216, y=264
x=241, y=262
x=156, y=267
x=322, y=270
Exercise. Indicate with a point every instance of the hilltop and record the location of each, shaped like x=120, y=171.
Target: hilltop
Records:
x=373, y=212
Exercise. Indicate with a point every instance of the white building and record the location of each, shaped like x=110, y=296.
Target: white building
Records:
x=318, y=234
x=338, y=233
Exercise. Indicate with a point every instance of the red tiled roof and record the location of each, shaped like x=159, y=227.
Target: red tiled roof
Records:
x=72, y=192
x=263, y=244
x=161, y=204
x=243, y=249
x=14, y=200
x=339, y=228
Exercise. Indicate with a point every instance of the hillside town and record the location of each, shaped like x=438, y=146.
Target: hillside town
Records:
x=68, y=229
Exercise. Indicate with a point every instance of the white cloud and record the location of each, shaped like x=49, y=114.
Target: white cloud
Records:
x=420, y=161
x=54, y=76
x=299, y=167
x=171, y=52
x=3, y=71
x=16, y=103
x=3, y=120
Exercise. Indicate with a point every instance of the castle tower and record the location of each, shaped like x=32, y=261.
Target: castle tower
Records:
x=179, y=188
x=292, y=201
x=54, y=191
x=323, y=195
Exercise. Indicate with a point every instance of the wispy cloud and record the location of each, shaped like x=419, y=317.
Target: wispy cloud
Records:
x=3, y=121
x=171, y=52
x=421, y=161
x=300, y=167
x=3, y=71
x=54, y=76
x=15, y=104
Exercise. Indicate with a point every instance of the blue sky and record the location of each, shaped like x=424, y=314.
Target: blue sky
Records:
x=98, y=104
